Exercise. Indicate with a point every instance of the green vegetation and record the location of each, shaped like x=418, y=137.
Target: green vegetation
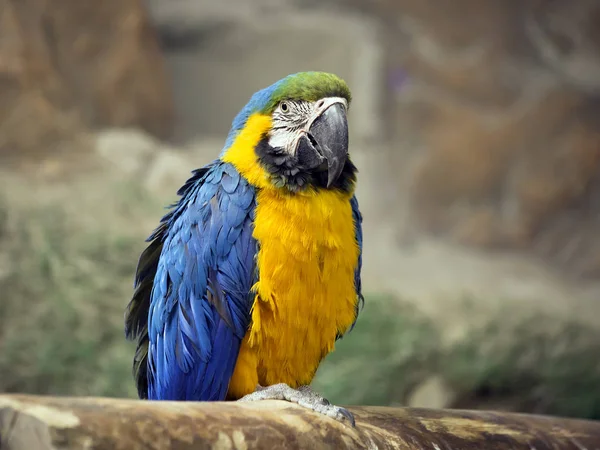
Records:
x=63, y=288
x=391, y=348
x=66, y=271
x=535, y=363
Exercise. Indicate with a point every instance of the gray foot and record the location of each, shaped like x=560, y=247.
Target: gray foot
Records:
x=303, y=396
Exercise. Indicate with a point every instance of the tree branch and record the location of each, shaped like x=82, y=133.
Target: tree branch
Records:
x=48, y=423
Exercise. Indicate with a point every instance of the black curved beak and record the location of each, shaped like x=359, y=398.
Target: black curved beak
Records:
x=325, y=146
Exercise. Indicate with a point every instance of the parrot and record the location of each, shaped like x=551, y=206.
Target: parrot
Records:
x=254, y=273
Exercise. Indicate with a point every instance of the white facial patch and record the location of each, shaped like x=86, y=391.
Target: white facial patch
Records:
x=289, y=120
x=282, y=138
x=292, y=119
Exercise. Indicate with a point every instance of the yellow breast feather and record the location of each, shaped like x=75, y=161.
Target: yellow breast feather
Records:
x=305, y=294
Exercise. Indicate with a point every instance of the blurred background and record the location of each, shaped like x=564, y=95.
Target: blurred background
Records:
x=476, y=129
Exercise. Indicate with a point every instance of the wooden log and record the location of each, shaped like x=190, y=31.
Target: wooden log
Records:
x=48, y=423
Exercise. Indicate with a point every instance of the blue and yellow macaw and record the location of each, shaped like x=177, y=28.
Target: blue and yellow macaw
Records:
x=255, y=272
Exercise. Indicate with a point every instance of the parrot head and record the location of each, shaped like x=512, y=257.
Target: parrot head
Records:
x=301, y=131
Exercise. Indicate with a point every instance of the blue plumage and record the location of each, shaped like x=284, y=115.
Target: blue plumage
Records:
x=193, y=296
x=357, y=217
x=256, y=103
x=195, y=291
x=200, y=303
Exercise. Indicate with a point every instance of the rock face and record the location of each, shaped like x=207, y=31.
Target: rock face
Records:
x=71, y=65
x=221, y=53
x=497, y=125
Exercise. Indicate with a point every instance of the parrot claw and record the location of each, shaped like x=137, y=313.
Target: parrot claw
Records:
x=303, y=396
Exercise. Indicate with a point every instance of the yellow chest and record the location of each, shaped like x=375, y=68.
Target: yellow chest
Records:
x=305, y=293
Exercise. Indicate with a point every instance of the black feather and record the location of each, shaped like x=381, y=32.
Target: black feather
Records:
x=287, y=172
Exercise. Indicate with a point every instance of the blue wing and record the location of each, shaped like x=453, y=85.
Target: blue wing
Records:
x=200, y=301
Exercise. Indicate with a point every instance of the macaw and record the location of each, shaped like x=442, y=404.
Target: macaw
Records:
x=255, y=273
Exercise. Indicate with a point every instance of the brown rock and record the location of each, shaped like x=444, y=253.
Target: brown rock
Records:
x=497, y=126
x=70, y=65
x=567, y=39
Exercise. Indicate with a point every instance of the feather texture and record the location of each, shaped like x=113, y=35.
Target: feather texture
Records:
x=191, y=306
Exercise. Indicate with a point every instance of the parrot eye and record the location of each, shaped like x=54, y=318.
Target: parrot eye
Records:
x=284, y=106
